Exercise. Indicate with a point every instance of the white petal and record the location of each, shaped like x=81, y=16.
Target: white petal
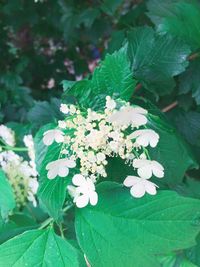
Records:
x=93, y=198
x=158, y=169
x=139, y=110
x=138, y=190
x=63, y=171
x=158, y=173
x=139, y=120
x=48, y=139
x=145, y=171
x=131, y=180
x=52, y=164
x=150, y=188
x=142, y=141
x=82, y=201
x=52, y=173
x=78, y=180
x=90, y=184
x=59, y=138
x=70, y=163
x=137, y=163
x=72, y=191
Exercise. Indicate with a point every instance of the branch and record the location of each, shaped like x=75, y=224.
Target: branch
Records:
x=50, y=219
x=171, y=106
x=193, y=56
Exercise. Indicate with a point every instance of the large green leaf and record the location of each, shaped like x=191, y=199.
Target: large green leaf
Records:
x=113, y=77
x=172, y=152
x=17, y=224
x=156, y=59
x=175, y=261
x=180, y=18
x=39, y=248
x=190, y=81
x=123, y=231
x=7, y=201
x=194, y=253
x=51, y=193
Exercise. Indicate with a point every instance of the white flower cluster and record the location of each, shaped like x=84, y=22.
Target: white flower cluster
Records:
x=7, y=135
x=119, y=131
x=21, y=175
x=29, y=143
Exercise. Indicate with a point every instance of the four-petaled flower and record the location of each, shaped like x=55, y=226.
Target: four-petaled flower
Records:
x=59, y=167
x=129, y=115
x=84, y=192
x=146, y=168
x=139, y=186
x=145, y=137
x=51, y=135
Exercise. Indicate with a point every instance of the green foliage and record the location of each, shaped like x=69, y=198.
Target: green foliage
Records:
x=172, y=152
x=152, y=224
x=51, y=192
x=156, y=59
x=39, y=248
x=113, y=77
x=190, y=80
x=145, y=52
x=7, y=201
x=180, y=18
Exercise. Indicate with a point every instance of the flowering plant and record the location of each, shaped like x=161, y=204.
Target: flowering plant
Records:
x=97, y=136
x=111, y=176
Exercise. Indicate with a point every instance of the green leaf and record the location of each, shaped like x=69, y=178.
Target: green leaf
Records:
x=123, y=231
x=39, y=248
x=180, y=18
x=175, y=261
x=194, y=253
x=172, y=152
x=188, y=123
x=7, y=201
x=190, y=81
x=17, y=224
x=113, y=77
x=47, y=112
x=110, y=6
x=156, y=59
x=51, y=193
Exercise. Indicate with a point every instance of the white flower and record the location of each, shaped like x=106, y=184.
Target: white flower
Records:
x=145, y=137
x=95, y=139
x=62, y=124
x=146, y=168
x=51, y=135
x=33, y=187
x=72, y=109
x=29, y=143
x=64, y=108
x=33, y=184
x=134, y=116
x=139, y=186
x=59, y=167
x=84, y=193
x=7, y=135
x=110, y=103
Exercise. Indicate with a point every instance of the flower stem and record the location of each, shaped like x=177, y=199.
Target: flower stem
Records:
x=50, y=219
x=15, y=148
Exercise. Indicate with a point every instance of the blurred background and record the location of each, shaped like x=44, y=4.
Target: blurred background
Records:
x=44, y=42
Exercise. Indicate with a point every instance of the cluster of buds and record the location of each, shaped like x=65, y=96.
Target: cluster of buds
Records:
x=21, y=174
x=90, y=138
